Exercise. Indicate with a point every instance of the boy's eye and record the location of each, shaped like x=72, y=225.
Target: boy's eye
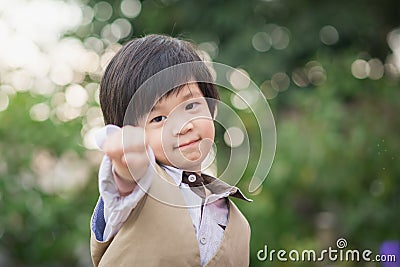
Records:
x=158, y=119
x=191, y=105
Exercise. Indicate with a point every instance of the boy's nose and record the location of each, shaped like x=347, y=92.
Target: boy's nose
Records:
x=183, y=128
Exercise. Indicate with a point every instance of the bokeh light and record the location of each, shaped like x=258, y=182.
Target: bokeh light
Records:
x=76, y=95
x=376, y=69
x=102, y=11
x=300, y=78
x=268, y=90
x=360, y=69
x=239, y=79
x=329, y=35
x=131, y=8
x=261, y=41
x=4, y=101
x=316, y=73
x=280, y=36
x=238, y=101
x=393, y=60
x=280, y=81
x=40, y=112
x=59, y=175
x=233, y=137
x=211, y=48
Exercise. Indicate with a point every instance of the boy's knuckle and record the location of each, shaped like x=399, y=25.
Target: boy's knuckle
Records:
x=134, y=147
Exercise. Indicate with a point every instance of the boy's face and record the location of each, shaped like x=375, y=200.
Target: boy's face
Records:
x=180, y=129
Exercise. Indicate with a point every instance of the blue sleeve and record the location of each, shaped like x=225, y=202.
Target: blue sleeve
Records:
x=98, y=221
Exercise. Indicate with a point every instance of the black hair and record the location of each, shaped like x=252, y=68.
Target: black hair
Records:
x=144, y=58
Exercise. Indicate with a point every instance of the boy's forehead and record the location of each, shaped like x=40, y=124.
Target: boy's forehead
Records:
x=181, y=94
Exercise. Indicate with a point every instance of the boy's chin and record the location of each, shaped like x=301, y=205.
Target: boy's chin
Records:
x=190, y=165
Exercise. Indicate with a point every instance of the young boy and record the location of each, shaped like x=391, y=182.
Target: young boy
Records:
x=156, y=207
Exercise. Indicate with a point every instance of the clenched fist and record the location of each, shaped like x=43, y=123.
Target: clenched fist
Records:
x=126, y=147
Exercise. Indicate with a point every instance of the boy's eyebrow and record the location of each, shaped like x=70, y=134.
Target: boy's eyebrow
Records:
x=185, y=97
x=190, y=95
x=154, y=108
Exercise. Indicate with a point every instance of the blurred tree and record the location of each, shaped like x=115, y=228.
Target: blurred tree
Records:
x=329, y=69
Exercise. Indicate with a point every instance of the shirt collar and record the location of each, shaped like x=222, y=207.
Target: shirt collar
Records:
x=175, y=173
x=216, y=186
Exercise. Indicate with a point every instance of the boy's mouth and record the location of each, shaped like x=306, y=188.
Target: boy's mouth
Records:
x=190, y=143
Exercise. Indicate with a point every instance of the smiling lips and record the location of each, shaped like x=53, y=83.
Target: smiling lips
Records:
x=189, y=144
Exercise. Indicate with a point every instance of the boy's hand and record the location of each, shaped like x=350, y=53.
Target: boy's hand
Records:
x=126, y=148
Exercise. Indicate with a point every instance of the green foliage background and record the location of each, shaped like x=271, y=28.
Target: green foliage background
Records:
x=336, y=171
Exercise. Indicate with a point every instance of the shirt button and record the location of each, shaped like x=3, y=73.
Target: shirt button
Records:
x=192, y=178
x=203, y=240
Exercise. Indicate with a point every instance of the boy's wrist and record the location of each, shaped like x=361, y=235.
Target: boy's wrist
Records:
x=125, y=186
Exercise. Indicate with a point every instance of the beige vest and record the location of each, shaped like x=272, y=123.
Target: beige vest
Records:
x=158, y=234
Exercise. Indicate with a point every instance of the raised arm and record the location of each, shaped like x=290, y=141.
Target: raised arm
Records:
x=126, y=148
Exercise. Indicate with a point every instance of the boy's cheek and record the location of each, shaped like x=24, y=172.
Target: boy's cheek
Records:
x=155, y=141
x=207, y=128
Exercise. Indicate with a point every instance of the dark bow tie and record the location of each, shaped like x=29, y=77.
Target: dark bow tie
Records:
x=195, y=182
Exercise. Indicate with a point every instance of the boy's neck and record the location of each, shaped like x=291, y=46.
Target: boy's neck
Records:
x=199, y=171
